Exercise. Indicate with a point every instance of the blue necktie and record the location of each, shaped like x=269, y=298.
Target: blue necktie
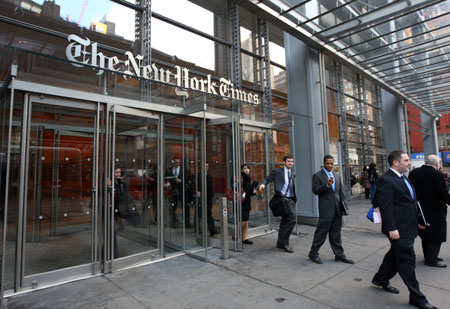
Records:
x=330, y=175
x=411, y=191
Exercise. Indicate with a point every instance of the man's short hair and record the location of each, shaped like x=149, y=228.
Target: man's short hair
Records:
x=327, y=157
x=287, y=157
x=395, y=155
x=432, y=160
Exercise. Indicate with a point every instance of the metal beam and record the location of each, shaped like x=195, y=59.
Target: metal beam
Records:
x=430, y=88
x=326, y=12
x=391, y=9
x=295, y=7
x=386, y=33
x=408, y=50
x=417, y=69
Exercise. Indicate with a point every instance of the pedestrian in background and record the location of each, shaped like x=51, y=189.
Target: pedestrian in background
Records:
x=433, y=196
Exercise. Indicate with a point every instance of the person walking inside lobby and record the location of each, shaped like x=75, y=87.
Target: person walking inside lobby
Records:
x=284, y=182
x=249, y=191
x=400, y=221
x=433, y=195
x=327, y=185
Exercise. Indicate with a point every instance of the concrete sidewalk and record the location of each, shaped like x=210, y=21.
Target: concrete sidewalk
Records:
x=259, y=277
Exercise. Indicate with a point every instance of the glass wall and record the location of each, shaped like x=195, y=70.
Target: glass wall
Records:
x=354, y=122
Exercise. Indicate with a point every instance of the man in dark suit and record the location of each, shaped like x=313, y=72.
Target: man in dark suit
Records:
x=433, y=195
x=327, y=185
x=284, y=182
x=173, y=178
x=400, y=221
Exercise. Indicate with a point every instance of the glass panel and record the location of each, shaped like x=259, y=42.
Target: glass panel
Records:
x=219, y=147
x=354, y=130
x=250, y=70
x=248, y=31
x=59, y=199
x=278, y=80
x=9, y=218
x=330, y=73
x=135, y=195
x=352, y=107
x=350, y=83
x=207, y=16
x=187, y=49
x=254, y=147
x=182, y=221
x=332, y=104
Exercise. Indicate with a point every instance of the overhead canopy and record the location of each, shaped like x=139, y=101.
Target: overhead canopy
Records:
x=403, y=45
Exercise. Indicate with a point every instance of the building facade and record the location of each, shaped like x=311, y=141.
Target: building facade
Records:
x=113, y=112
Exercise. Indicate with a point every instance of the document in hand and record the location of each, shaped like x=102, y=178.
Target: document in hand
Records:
x=376, y=216
x=344, y=208
x=422, y=219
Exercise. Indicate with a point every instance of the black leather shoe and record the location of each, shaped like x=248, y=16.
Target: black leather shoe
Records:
x=315, y=258
x=247, y=242
x=436, y=264
x=387, y=287
x=422, y=306
x=343, y=259
x=286, y=248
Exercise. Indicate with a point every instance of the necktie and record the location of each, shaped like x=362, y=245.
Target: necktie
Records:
x=330, y=175
x=411, y=191
x=288, y=191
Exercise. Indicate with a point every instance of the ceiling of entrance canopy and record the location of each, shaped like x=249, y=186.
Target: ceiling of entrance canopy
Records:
x=406, y=44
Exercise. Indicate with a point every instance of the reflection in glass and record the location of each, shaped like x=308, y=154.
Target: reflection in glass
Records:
x=59, y=204
x=101, y=16
x=250, y=69
x=183, y=224
x=135, y=194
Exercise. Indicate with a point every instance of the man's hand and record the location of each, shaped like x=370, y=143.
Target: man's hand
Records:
x=421, y=227
x=261, y=187
x=394, y=235
x=330, y=182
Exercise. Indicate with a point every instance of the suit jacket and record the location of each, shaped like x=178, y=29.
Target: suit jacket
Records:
x=176, y=188
x=277, y=176
x=209, y=188
x=329, y=200
x=433, y=196
x=398, y=209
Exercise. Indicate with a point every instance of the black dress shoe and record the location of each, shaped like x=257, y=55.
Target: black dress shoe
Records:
x=343, y=259
x=387, y=287
x=247, y=242
x=315, y=258
x=422, y=306
x=436, y=264
x=286, y=248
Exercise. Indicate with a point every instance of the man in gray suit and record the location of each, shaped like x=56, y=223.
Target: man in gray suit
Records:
x=284, y=182
x=327, y=185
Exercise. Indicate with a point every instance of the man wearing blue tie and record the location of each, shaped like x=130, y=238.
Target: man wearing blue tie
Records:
x=284, y=181
x=327, y=185
x=396, y=199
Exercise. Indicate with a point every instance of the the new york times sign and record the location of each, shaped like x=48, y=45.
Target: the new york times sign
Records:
x=83, y=51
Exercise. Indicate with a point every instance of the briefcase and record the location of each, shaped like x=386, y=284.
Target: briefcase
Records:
x=279, y=206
